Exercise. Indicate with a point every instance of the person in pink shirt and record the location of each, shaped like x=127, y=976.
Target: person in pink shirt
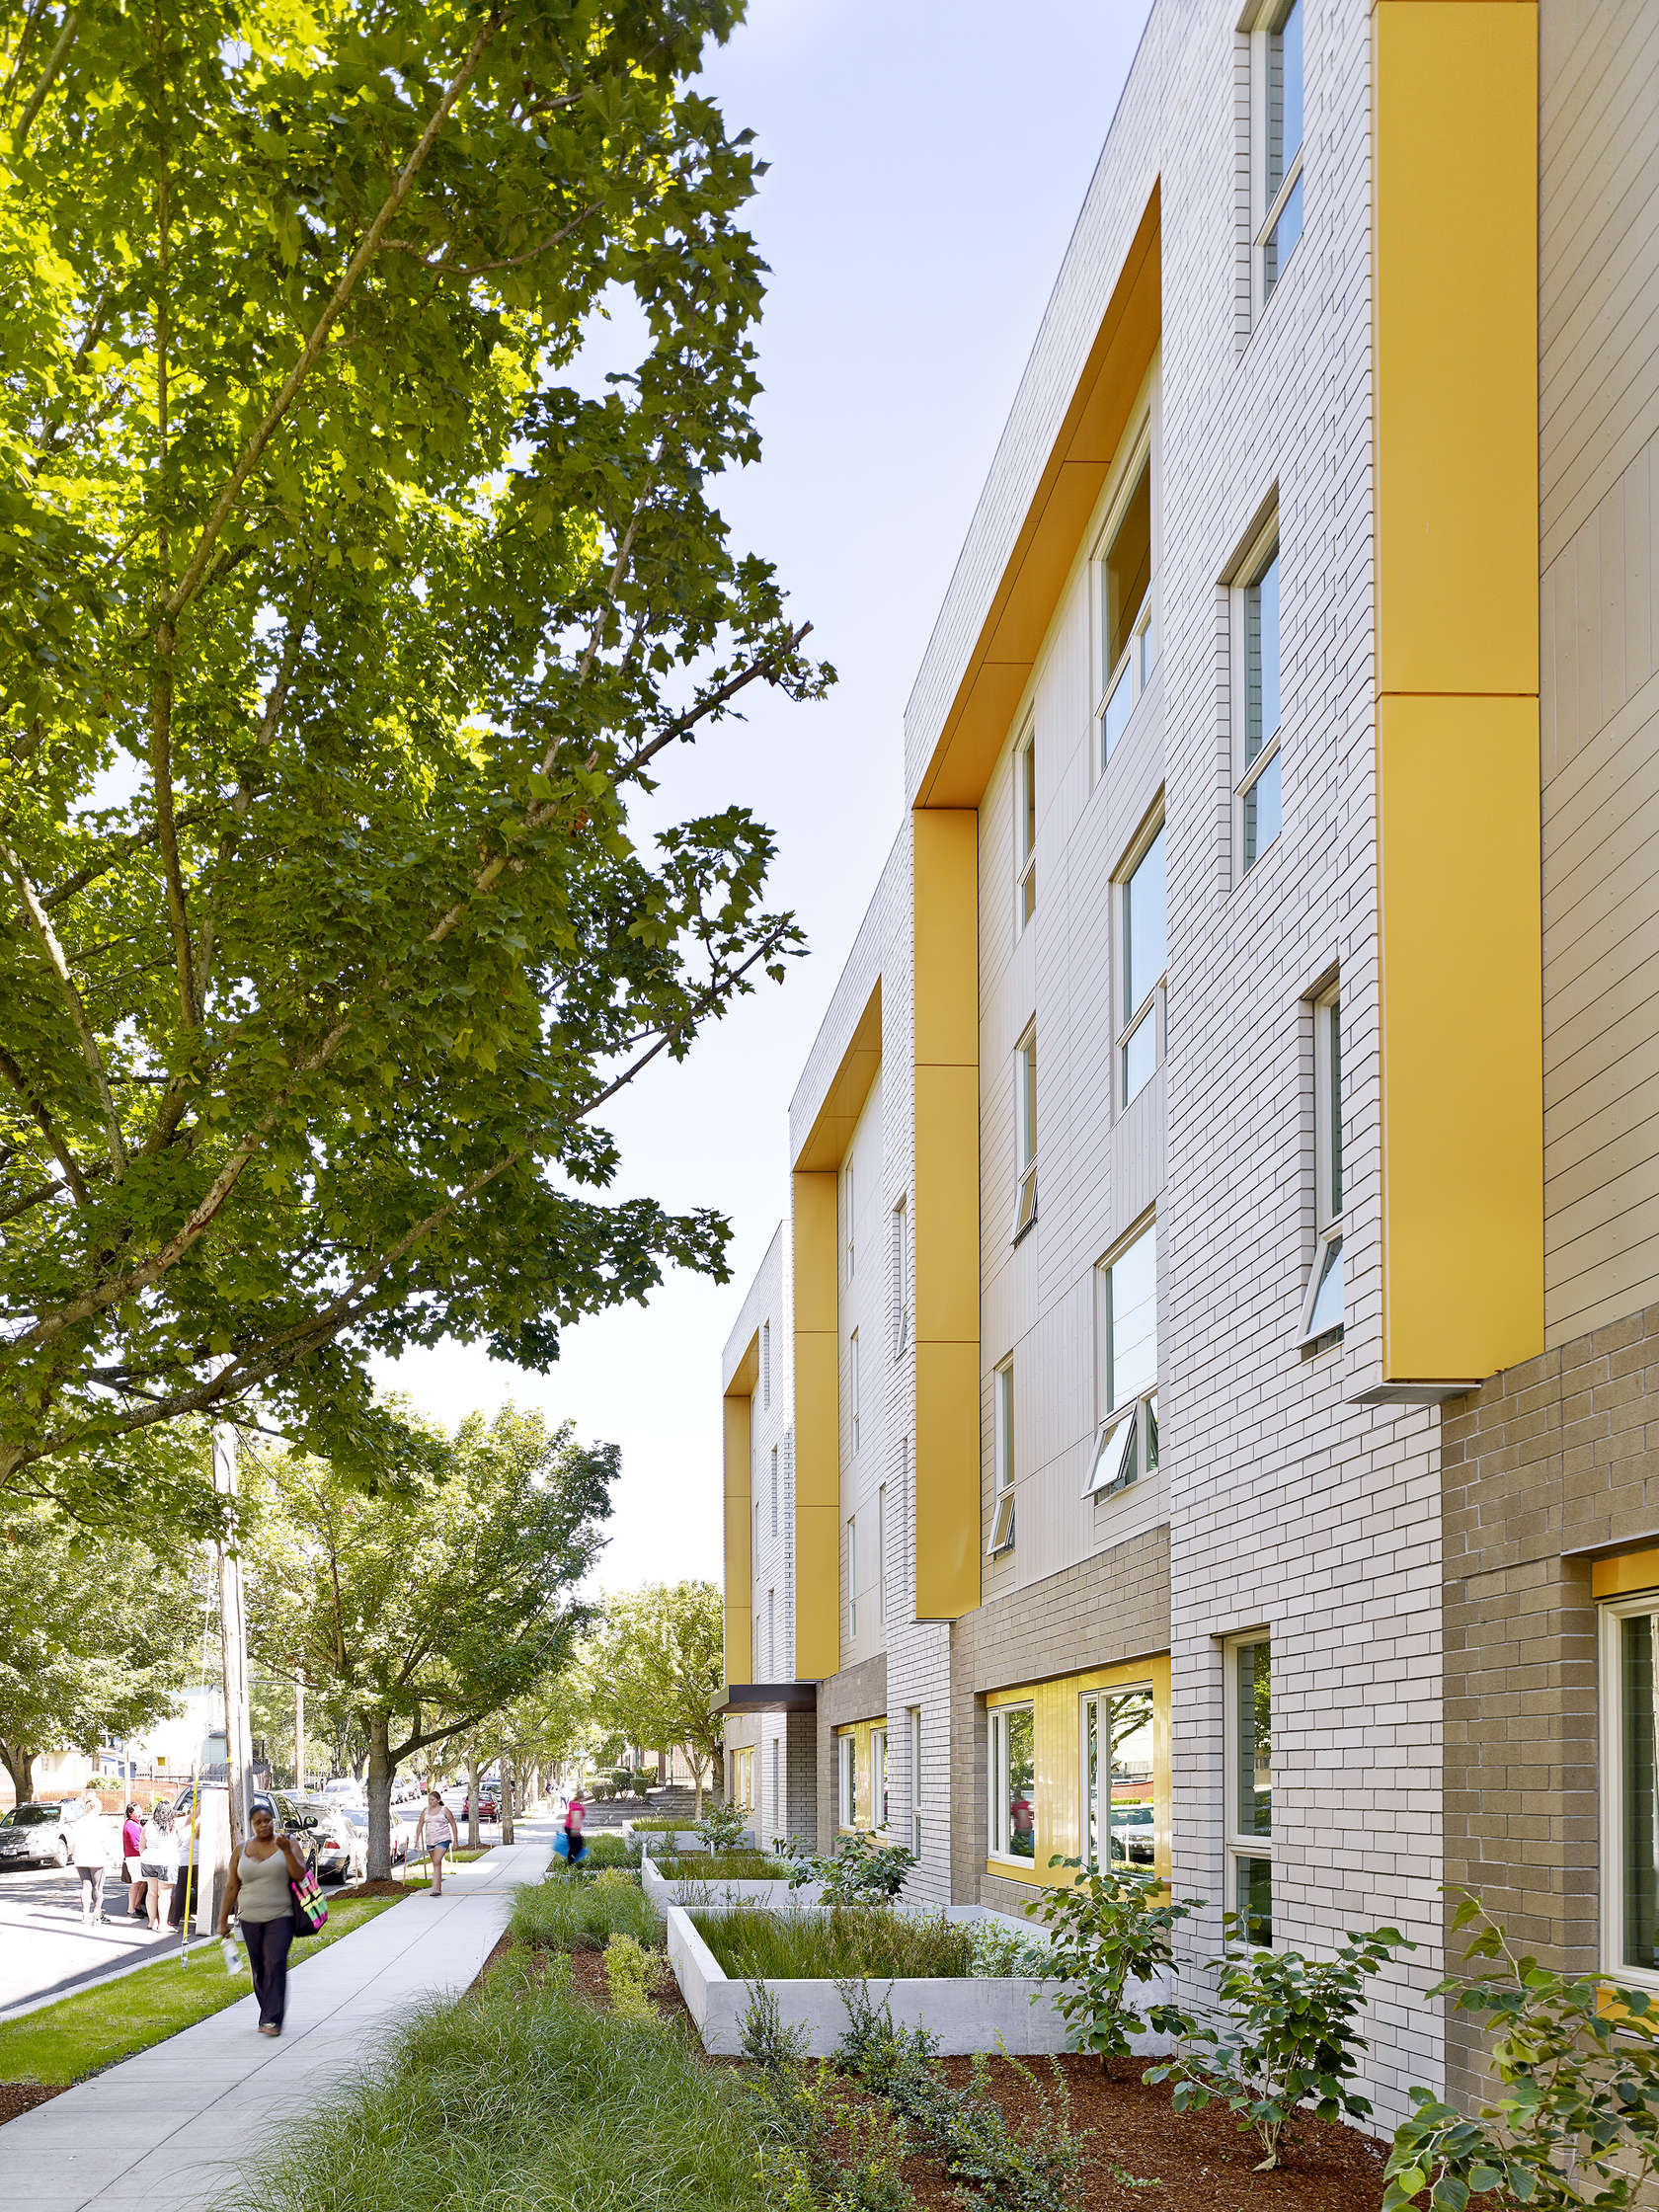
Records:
x=132, y=1838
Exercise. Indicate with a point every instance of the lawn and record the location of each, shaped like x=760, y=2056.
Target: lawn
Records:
x=91, y=2029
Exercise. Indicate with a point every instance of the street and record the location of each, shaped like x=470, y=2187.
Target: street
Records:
x=44, y=1945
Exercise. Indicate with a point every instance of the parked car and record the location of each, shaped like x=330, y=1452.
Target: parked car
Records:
x=32, y=1835
x=344, y=1792
x=342, y=1847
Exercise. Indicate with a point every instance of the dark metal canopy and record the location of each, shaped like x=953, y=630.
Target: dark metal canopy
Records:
x=766, y=1696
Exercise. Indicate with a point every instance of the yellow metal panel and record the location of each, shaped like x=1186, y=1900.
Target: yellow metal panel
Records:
x=1463, y=1045
x=818, y=1636
x=946, y=1232
x=1056, y=1731
x=1624, y=1576
x=738, y=1535
x=1456, y=241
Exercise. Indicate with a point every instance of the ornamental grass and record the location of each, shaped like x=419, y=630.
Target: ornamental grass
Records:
x=846, y=1943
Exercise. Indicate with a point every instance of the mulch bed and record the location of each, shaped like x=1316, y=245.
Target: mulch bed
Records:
x=18, y=2098
x=381, y=1888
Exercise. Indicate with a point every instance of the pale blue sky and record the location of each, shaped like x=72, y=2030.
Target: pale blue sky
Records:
x=927, y=165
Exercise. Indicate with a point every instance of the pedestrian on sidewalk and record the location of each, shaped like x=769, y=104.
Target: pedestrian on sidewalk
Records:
x=436, y=1829
x=257, y=1893
x=569, y=1844
x=158, y=1863
x=91, y=1847
x=132, y=1840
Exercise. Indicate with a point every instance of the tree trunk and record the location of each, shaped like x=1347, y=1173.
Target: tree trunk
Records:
x=379, y=1798
x=506, y=1801
x=698, y=1773
x=472, y=1798
x=20, y=1765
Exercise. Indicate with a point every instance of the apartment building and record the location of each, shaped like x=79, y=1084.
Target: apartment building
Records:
x=1222, y=1259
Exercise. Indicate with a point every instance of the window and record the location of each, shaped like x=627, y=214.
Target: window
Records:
x=1002, y=1502
x=881, y=1557
x=1025, y=828
x=900, y=1277
x=915, y=1780
x=853, y=1576
x=1249, y=1788
x=846, y=1780
x=1117, y=1760
x=853, y=1384
x=1629, y=1633
x=767, y=1363
x=774, y=1490
x=771, y=1635
x=851, y=1229
x=877, y=1778
x=1125, y=1376
x=1126, y=576
x=1321, y=1307
x=1025, y=1133
x=1279, y=77
x=1013, y=1783
x=1259, y=804
x=1145, y=957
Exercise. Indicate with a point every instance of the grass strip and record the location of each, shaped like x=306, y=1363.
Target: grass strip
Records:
x=839, y=1943
x=720, y=1866
x=110, y=2021
x=665, y=1820
x=521, y=2098
x=560, y=1914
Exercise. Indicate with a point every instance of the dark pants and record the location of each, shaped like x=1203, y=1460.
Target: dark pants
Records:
x=268, y=1943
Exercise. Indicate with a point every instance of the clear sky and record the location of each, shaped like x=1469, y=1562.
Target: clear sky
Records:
x=927, y=163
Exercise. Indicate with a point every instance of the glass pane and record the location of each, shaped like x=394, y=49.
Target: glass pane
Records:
x=1130, y=1719
x=1283, y=98
x=1139, y=1057
x=1116, y=1440
x=1091, y=1781
x=1327, y=1299
x=1133, y=1318
x=1150, y=1424
x=1333, y=1106
x=1114, y=717
x=1261, y=814
x=1253, y=1741
x=1019, y=1780
x=1261, y=660
x=1641, y=1798
x=1028, y=892
x=1129, y=568
x=1144, y=940
x=1028, y=1103
x=1282, y=237
x=1252, y=1898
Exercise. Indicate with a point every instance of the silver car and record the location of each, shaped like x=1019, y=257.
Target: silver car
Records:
x=34, y=1835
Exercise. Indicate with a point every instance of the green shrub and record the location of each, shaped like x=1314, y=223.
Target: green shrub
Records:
x=837, y=1943
x=1292, y=2038
x=525, y=2099
x=723, y=1825
x=863, y=1870
x=631, y=1974
x=559, y=1914
x=1000, y=1950
x=1108, y=1929
x=1579, y=2124
x=607, y=1851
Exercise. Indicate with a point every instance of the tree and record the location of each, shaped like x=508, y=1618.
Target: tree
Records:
x=95, y=1630
x=426, y=1610
x=658, y=1669
x=340, y=634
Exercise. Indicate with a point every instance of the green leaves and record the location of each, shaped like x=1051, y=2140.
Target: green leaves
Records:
x=1112, y=1927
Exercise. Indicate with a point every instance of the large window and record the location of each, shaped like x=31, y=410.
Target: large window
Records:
x=877, y=1778
x=1003, y=1449
x=1025, y=828
x=1260, y=787
x=1126, y=576
x=1145, y=941
x=1025, y=1133
x=846, y=1780
x=1249, y=1787
x=1321, y=1307
x=1013, y=1783
x=1279, y=134
x=1119, y=1821
x=1126, y=1365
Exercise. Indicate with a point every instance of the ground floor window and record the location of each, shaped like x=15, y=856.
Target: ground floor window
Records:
x=1119, y=1818
x=1249, y=1787
x=743, y=1779
x=877, y=1778
x=846, y=1780
x=1630, y=1787
x=1013, y=1783
x=861, y=1773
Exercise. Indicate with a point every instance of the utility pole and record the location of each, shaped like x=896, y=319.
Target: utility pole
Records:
x=233, y=1637
x=299, y=1736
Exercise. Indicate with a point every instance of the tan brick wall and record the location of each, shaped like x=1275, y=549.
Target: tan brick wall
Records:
x=855, y=1694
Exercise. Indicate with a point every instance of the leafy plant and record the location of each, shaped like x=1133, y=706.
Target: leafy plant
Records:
x=1577, y=2126
x=631, y=1974
x=723, y=1824
x=1000, y=1950
x=1108, y=1929
x=862, y=1871
x=1292, y=2040
x=823, y=2153
x=833, y=1944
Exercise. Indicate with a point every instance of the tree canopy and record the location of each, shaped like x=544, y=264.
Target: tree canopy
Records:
x=342, y=629
x=658, y=1668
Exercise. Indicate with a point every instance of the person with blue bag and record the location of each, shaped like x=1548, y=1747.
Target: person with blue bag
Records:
x=568, y=1843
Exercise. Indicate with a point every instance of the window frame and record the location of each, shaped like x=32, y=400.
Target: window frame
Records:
x=878, y=1779
x=916, y=1780
x=1267, y=208
x=1239, y=1845
x=1025, y=828
x=846, y=1780
x=996, y=1767
x=1612, y=1613
x=1086, y=1699
x=1264, y=550
x=1153, y=1005
x=1025, y=1133
x=1002, y=1459
x=1137, y=1450
x=1134, y=665
x=1329, y=1181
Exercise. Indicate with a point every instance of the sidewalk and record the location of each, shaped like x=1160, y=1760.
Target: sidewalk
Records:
x=171, y=2126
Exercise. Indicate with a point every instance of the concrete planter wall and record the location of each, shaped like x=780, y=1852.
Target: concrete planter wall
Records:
x=775, y=1893
x=966, y=2015
x=676, y=1839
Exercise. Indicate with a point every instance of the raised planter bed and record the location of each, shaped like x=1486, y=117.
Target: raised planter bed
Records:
x=775, y=1891
x=964, y=2012
x=675, y=1839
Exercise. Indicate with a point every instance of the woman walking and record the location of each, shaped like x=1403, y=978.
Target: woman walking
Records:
x=258, y=1894
x=437, y=1828
x=92, y=1845
x=132, y=1842
x=158, y=1863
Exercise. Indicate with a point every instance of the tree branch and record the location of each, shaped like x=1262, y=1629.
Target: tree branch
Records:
x=54, y=62
x=49, y=1128
x=767, y=665
x=44, y=931
x=442, y=268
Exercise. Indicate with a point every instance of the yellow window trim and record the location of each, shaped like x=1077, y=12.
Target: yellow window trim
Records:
x=859, y=1731
x=1057, y=1721
x=1626, y=1575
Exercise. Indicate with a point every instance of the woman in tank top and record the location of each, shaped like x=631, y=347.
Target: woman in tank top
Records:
x=437, y=1828
x=257, y=1893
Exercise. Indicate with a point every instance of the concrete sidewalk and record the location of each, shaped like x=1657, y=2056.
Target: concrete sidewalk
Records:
x=171, y=2126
